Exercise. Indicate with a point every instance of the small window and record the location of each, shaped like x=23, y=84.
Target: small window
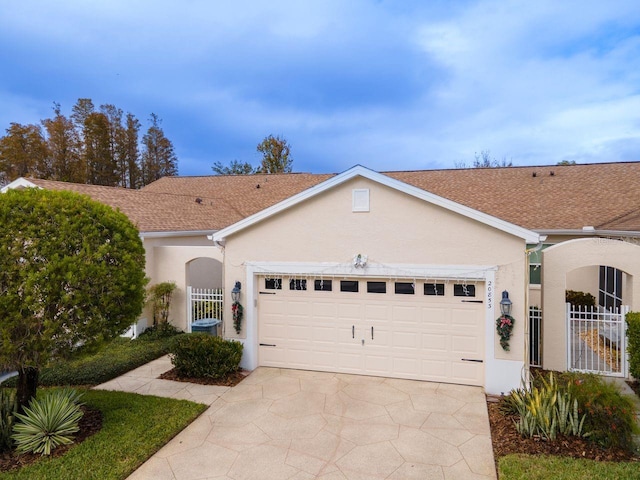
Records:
x=297, y=284
x=434, y=289
x=323, y=285
x=273, y=283
x=376, y=287
x=348, y=285
x=405, y=288
x=463, y=290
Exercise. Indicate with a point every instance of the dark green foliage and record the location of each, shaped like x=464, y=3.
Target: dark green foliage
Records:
x=633, y=345
x=114, y=359
x=160, y=331
x=71, y=273
x=580, y=299
x=205, y=356
x=609, y=417
x=8, y=408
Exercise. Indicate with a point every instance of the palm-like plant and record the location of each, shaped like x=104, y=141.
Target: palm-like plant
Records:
x=48, y=422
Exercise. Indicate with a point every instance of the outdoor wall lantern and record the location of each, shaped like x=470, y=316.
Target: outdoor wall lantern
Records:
x=235, y=293
x=505, y=304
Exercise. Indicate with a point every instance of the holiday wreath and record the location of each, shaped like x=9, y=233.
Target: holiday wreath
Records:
x=504, y=327
x=237, y=310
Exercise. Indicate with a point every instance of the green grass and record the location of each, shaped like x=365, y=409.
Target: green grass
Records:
x=530, y=467
x=112, y=360
x=134, y=427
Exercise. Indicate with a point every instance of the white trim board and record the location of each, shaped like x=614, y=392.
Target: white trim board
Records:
x=18, y=183
x=528, y=235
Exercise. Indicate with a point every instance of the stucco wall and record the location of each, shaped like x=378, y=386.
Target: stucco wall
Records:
x=558, y=262
x=399, y=229
x=167, y=260
x=584, y=279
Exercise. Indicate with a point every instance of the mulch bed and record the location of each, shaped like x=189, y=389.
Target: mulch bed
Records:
x=506, y=440
x=230, y=381
x=90, y=424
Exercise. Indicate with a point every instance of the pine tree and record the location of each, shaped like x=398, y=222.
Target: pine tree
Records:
x=158, y=157
x=23, y=152
x=64, y=148
x=131, y=152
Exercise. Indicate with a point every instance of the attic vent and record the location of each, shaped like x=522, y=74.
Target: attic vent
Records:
x=360, y=200
x=258, y=186
x=198, y=200
x=552, y=173
x=534, y=174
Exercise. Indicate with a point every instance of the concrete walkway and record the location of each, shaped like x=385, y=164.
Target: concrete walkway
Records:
x=299, y=425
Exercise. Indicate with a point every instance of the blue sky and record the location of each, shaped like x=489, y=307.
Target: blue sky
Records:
x=386, y=84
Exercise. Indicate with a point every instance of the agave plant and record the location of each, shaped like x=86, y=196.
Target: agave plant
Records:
x=48, y=422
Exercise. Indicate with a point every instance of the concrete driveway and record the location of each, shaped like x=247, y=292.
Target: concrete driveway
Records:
x=299, y=425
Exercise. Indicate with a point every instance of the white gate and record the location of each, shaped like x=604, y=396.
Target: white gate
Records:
x=203, y=303
x=597, y=340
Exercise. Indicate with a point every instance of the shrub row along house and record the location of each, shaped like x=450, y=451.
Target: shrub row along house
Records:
x=401, y=274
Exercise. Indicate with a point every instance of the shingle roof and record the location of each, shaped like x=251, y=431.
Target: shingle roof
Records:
x=605, y=196
x=157, y=212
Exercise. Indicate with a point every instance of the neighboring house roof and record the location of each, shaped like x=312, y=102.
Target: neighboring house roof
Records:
x=605, y=196
x=153, y=212
x=248, y=194
x=360, y=171
x=560, y=197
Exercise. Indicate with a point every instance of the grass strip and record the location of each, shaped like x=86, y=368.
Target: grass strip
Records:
x=134, y=428
x=541, y=467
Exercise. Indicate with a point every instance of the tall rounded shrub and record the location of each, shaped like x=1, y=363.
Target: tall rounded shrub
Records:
x=633, y=343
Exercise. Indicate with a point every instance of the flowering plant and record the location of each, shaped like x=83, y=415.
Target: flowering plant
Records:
x=504, y=326
x=237, y=310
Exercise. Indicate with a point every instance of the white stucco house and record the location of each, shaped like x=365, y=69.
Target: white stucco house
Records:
x=399, y=274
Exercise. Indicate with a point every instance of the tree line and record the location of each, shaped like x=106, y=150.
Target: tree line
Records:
x=99, y=146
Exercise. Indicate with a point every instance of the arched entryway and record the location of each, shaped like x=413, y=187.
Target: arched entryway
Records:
x=605, y=268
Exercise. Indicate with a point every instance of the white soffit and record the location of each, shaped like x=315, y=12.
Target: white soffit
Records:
x=528, y=235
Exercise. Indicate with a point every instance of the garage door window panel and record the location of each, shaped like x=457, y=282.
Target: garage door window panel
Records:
x=434, y=289
x=376, y=287
x=273, y=284
x=323, y=285
x=297, y=284
x=348, y=285
x=464, y=290
x=405, y=288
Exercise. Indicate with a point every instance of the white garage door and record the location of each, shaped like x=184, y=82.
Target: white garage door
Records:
x=382, y=327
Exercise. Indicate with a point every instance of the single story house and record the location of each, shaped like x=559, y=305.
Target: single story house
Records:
x=401, y=274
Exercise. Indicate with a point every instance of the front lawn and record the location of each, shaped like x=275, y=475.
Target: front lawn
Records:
x=133, y=428
x=543, y=467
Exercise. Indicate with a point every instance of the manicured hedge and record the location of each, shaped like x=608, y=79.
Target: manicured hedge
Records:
x=205, y=356
x=111, y=361
x=633, y=346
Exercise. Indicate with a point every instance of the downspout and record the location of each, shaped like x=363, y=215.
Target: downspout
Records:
x=527, y=286
x=220, y=245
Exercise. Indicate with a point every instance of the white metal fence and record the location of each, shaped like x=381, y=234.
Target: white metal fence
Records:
x=597, y=340
x=203, y=303
x=535, y=337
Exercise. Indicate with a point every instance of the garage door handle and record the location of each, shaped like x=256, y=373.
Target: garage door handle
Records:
x=371, y=333
x=471, y=360
x=353, y=331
